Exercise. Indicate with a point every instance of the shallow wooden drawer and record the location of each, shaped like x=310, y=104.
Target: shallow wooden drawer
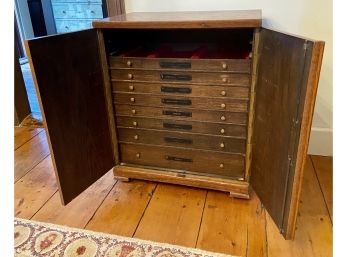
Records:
x=77, y=10
x=181, y=139
x=181, y=76
x=181, y=89
x=227, y=104
x=182, y=126
x=182, y=114
x=230, y=165
x=235, y=65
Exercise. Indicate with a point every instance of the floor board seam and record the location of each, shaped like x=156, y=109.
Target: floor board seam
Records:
x=29, y=139
x=266, y=234
x=49, y=198
x=100, y=205
x=27, y=172
x=321, y=189
x=142, y=215
x=200, y=223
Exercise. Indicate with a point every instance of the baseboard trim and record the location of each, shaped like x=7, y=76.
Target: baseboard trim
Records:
x=320, y=142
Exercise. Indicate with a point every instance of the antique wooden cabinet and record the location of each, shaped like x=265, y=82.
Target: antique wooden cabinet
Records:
x=204, y=99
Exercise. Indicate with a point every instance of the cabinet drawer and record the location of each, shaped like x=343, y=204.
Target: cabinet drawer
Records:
x=239, y=118
x=224, y=104
x=235, y=65
x=229, y=165
x=181, y=90
x=77, y=11
x=174, y=125
x=72, y=25
x=220, y=78
x=181, y=139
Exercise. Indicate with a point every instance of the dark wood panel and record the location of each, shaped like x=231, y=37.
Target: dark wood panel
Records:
x=180, y=139
x=181, y=90
x=222, y=104
x=232, y=65
x=280, y=92
x=69, y=81
x=183, y=159
x=181, y=77
x=224, y=117
x=202, y=19
x=188, y=126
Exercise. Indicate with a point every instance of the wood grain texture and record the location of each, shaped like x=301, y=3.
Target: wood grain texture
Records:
x=233, y=226
x=313, y=235
x=72, y=99
x=202, y=19
x=24, y=134
x=123, y=208
x=34, y=189
x=323, y=169
x=236, y=188
x=79, y=211
x=173, y=215
x=30, y=154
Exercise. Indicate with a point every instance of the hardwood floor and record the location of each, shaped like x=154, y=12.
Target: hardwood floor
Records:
x=205, y=219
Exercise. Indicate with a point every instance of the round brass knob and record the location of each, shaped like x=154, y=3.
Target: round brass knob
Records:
x=138, y=155
x=221, y=165
x=223, y=93
x=222, y=145
x=129, y=63
x=222, y=131
x=131, y=88
x=224, y=80
x=136, y=137
x=132, y=99
x=135, y=123
x=223, y=106
x=224, y=66
x=133, y=111
x=130, y=76
x=223, y=118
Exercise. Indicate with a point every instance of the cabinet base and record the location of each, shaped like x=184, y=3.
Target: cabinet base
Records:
x=237, y=189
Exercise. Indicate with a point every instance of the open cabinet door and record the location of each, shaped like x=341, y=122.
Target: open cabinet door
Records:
x=71, y=84
x=286, y=84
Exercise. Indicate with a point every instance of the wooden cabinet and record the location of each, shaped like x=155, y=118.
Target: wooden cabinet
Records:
x=204, y=99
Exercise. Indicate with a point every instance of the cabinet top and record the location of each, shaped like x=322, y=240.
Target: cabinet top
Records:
x=178, y=20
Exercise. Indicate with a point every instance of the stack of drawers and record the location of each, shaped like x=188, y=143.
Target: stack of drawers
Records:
x=188, y=115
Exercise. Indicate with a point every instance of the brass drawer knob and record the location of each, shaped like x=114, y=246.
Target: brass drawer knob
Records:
x=134, y=111
x=224, y=66
x=223, y=106
x=129, y=63
x=223, y=118
x=136, y=137
x=222, y=131
x=223, y=93
x=132, y=99
x=131, y=88
x=137, y=155
x=224, y=80
x=222, y=145
x=135, y=123
x=221, y=165
x=130, y=76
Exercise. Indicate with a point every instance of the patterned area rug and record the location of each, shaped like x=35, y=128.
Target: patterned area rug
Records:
x=43, y=239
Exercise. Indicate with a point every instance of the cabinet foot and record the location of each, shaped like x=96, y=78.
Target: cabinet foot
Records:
x=123, y=179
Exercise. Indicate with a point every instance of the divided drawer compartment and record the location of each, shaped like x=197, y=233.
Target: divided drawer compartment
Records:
x=222, y=164
x=181, y=139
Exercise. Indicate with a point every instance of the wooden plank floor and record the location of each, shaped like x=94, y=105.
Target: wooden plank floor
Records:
x=205, y=219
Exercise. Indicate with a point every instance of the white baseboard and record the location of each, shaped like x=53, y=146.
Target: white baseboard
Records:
x=320, y=142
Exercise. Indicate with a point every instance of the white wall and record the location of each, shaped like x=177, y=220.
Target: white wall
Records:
x=309, y=18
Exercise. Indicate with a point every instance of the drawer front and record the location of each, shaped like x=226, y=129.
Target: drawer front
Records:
x=224, y=104
x=235, y=65
x=181, y=90
x=72, y=25
x=180, y=139
x=181, y=77
x=239, y=118
x=182, y=126
x=222, y=164
x=77, y=11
